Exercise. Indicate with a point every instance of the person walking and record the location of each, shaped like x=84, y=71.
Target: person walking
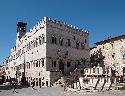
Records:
x=33, y=83
x=14, y=86
x=65, y=86
x=10, y=80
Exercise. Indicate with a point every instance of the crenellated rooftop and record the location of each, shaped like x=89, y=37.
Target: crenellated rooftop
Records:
x=66, y=26
x=58, y=24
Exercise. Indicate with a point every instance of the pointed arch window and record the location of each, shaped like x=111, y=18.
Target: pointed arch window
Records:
x=36, y=63
x=40, y=40
x=42, y=62
x=54, y=63
x=33, y=43
x=123, y=55
x=77, y=44
x=36, y=42
x=68, y=42
x=54, y=39
x=43, y=38
x=83, y=45
x=61, y=41
x=29, y=46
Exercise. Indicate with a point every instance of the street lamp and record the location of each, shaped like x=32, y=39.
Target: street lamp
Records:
x=23, y=75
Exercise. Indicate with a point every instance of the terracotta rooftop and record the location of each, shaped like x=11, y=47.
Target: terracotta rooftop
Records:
x=109, y=39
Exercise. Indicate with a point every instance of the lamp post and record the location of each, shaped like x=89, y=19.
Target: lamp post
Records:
x=24, y=69
x=23, y=78
x=21, y=30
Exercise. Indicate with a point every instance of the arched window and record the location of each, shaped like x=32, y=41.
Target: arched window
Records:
x=54, y=39
x=43, y=38
x=36, y=42
x=54, y=63
x=82, y=45
x=123, y=55
x=77, y=44
x=93, y=70
x=40, y=40
x=68, y=42
x=42, y=62
x=33, y=43
x=31, y=64
x=26, y=65
x=29, y=46
x=36, y=63
x=61, y=41
x=39, y=63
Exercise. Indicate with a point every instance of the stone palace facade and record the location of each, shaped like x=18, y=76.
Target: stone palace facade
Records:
x=50, y=50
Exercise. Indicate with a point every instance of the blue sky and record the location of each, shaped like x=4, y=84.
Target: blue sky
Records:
x=103, y=18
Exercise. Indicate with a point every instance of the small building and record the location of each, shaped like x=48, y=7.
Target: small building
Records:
x=108, y=53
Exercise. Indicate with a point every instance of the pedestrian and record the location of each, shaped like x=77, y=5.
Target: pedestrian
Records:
x=40, y=85
x=10, y=80
x=65, y=86
x=33, y=83
x=14, y=86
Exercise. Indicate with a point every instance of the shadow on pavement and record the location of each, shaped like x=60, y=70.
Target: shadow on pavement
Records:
x=9, y=87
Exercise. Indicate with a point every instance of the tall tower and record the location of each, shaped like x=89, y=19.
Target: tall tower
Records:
x=21, y=29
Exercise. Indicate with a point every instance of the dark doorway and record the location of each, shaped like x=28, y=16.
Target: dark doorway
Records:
x=123, y=71
x=46, y=83
x=36, y=81
x=40, y=82
x=61, y=66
